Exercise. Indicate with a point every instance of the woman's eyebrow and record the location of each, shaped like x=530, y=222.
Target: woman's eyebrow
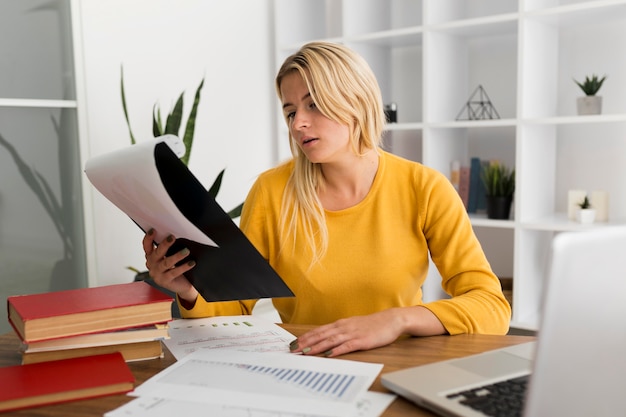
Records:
x=307, y=95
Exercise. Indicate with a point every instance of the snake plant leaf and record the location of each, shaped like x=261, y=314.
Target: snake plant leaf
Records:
x=132, y=137
x=215, y=188
x=157, y=123
x=191, y=125
x=236, y=212
x=174, y=119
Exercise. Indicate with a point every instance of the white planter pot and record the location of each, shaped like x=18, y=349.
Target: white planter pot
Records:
x=589, y=105
x=586, y=216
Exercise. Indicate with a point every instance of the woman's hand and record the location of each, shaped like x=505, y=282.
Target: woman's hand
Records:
x=367, y=332
x=163, y=268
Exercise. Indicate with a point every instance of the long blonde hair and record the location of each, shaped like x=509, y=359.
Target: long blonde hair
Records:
x=344, y=89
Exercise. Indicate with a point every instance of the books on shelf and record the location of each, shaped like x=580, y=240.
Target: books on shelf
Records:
x=24, y=386
x=134, y=344
x=470, y=185
x=60, y=314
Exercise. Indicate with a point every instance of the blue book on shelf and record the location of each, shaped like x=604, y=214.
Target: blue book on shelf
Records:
x=472, y=200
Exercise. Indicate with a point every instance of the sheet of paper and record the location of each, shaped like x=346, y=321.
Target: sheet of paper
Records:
x=129, y=178
x=266, y=381
x=372, y=404
x=249, y=333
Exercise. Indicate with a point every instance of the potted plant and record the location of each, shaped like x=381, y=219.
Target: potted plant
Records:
x=590, y=103
x=586, y=213
x=499, y=181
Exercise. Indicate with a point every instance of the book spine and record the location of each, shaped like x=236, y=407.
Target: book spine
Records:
x=464, y=176
x=472, y=201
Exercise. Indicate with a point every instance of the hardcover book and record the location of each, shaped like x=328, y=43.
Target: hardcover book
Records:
x=131, y=335
x=24, y=386
x=51, y=315
x=131, y=352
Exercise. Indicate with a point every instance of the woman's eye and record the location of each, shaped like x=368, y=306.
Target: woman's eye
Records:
x=290, y=115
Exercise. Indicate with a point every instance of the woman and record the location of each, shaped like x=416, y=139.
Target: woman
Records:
x=349, y=227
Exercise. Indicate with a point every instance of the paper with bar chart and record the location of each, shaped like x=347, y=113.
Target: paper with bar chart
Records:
x=267, y=381
x=249, y=332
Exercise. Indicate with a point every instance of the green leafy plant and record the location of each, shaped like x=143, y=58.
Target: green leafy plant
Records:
x=499, y=180
x=585, y=203
x=172, y=126
x=591, y=85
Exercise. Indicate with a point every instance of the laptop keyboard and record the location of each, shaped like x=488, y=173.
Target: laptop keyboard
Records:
x=502, y=399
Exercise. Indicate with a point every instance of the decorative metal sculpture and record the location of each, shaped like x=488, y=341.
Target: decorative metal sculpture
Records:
x=478, y=107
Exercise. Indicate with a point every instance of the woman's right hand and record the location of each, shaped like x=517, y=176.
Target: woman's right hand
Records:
x=163, y=268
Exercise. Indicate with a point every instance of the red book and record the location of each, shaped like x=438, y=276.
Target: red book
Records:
x=66, y=313
x=24, y=386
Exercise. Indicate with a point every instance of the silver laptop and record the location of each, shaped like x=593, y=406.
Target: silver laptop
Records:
x=579, y=366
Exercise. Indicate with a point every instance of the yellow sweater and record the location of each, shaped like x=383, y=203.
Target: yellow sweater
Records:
x=378, y=254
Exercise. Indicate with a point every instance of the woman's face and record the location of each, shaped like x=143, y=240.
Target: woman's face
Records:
x=321, y=139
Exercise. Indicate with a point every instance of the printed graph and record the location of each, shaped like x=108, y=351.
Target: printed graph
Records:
x=253, y=378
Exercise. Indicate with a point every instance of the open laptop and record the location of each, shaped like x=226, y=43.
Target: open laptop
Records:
x=579, y=366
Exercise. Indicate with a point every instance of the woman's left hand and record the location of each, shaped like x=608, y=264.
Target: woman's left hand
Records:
x=367, y=332
x=350, y=334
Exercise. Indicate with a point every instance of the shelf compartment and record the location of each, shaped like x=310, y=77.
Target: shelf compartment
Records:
x=461, y=65
x=441, y=11
x=376, y=15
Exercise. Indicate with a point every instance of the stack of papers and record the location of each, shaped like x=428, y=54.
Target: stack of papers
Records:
x=241, y=365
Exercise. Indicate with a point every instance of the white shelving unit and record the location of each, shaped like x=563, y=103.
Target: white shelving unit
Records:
x=430, y=55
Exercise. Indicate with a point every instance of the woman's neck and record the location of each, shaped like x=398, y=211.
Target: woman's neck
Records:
x=347, y=184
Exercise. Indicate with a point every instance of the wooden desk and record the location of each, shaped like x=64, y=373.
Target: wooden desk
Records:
x=401, y=354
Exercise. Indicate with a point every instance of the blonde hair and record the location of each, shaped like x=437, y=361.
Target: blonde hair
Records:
x=344, y=89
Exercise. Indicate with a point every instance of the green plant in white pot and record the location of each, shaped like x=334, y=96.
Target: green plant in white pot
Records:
x=499, y=182
x=590, y=103
x=586, y=213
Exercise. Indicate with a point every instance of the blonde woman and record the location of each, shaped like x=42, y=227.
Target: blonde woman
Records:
x=349, y=227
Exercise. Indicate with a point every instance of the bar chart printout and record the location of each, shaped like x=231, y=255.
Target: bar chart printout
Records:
x=272, y=381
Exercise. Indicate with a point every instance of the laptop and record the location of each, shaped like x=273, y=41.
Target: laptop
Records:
x=576, y=367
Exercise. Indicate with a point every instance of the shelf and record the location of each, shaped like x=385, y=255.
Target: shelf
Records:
x=33, y=103
x=580, y=13
x=463, y=124
x=559, y=222
x=571, y=120
x=479, y=27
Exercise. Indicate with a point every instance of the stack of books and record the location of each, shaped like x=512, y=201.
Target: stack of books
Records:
x=131, y=319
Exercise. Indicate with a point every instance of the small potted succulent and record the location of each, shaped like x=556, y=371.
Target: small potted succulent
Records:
x=499, y=181
x=586, y=213
x=590, y=103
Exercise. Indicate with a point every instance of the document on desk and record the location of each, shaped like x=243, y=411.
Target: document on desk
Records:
x=372, y=404
x=277, y=382
x=249, y=333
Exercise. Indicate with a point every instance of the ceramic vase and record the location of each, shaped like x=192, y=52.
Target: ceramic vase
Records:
x=589, y=105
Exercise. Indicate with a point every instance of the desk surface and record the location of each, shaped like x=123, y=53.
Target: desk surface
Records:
x=401, y=354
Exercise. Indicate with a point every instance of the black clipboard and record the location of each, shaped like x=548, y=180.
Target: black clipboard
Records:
x=228, y=267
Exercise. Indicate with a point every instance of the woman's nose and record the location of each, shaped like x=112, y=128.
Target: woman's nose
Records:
x=301, y=120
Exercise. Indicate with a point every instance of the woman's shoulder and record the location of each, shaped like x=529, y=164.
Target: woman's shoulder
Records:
x=399, y=165
x=275, y=177
x=282, y=170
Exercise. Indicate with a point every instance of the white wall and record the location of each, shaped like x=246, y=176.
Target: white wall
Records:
x=166, y=47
